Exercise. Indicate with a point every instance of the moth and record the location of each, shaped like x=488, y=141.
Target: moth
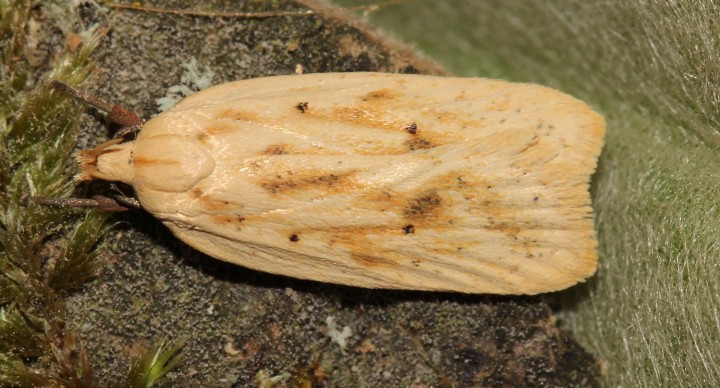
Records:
x=373, y=180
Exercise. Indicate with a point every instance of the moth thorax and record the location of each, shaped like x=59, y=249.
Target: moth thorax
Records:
x=170, y=163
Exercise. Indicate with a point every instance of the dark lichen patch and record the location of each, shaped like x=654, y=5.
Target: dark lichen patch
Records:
x=424, y=206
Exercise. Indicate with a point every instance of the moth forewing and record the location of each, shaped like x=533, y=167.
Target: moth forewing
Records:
x=487, y=193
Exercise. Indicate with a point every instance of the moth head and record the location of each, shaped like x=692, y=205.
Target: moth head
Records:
x=109, y=161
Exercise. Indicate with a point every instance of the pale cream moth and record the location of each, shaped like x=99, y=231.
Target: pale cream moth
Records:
x=374, y=180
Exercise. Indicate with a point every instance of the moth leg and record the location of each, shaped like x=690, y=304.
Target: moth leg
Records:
x=98, y=202
x=130, y=121
x=124, y=199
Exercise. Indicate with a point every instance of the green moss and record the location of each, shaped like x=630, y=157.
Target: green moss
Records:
x=149, y=366
x=44, y=251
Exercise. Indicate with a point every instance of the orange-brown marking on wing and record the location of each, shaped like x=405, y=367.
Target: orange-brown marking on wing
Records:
x=143, y=162
x=305, y=180
x=203, y=138
x=480, y=199
x=449, y=119
x=383, y=200
x=374, y=110
x=462, y=96
x=500, y=104
x=291, y=149
x=419, y=143
x=299, y=89
x=424, y=206
x=356, y=241
x=229, y=219
x=196, y=193
x=367, y=261
x=239, y=115
x=219, y=128
x=511, y=230
x=380, y=95
x=365, y=115
x=276, y=149
x=213, y=204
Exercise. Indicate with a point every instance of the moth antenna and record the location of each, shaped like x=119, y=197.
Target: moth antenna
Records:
x=250, y=15
x=116, y=113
